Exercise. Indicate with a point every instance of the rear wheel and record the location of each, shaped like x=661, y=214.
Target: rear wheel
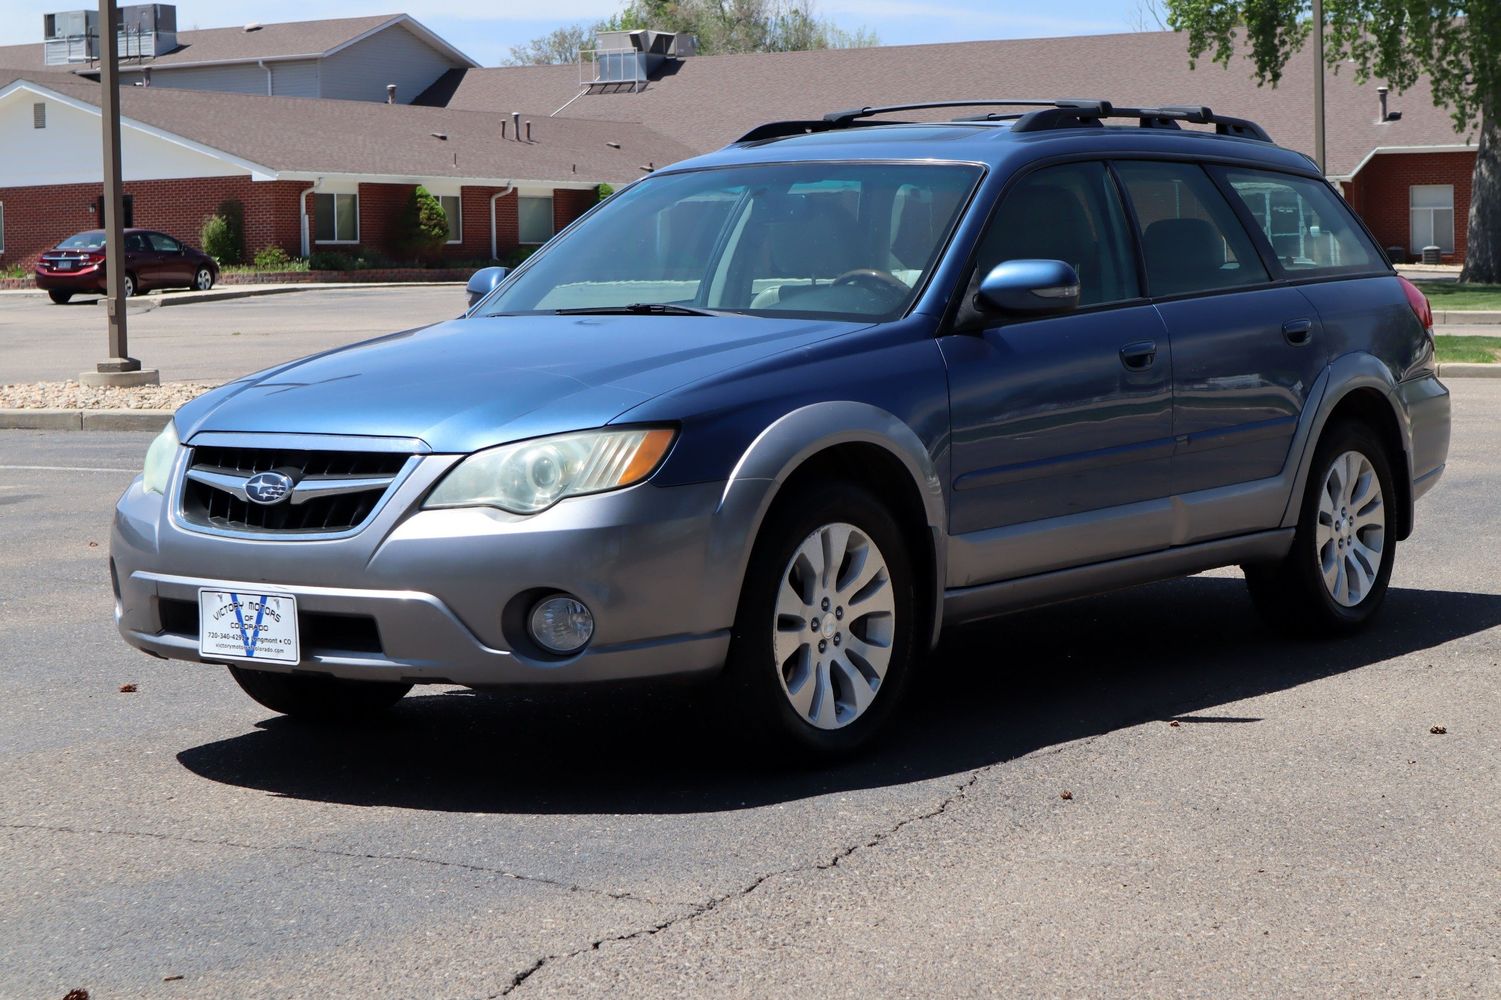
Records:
x=59, y=296
x=130, y=285
x=203, y=280
x=318, y=697
x=823, y=640
x=1336, y=575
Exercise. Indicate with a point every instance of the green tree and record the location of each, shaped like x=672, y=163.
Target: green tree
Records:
x=721, y=26
x=1456, y=44
x=423, y=227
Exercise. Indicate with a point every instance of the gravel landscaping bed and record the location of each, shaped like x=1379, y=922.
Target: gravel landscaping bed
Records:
x=71, y=395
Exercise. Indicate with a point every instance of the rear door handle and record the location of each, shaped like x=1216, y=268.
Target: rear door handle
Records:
x=1139, y=356
x=1298, y=332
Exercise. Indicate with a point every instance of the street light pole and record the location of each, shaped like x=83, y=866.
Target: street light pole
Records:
x=1318, y=83
x=119, y=368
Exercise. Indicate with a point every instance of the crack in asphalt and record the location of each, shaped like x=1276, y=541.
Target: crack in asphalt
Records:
x=959, y=792
x=333, y=853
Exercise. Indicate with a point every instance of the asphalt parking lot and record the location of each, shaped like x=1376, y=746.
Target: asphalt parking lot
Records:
x=209, y=341
x=1138, y=795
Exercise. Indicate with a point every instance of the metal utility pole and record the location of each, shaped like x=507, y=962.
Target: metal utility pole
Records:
x=1318, y=83
x=119, y=368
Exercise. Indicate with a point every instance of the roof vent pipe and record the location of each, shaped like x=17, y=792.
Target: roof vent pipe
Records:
x=528, y=131
x=516, y=121
x=390, y=93
x=1381, y=92
x=502, y=128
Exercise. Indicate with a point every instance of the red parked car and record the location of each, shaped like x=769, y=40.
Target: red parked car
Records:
x=152, y=260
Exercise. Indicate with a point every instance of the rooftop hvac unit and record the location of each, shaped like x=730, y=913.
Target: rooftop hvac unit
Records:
x=70, y=36
x=631, y=58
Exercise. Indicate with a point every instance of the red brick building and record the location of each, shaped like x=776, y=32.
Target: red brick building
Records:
x=311, y=174
x=321, y=174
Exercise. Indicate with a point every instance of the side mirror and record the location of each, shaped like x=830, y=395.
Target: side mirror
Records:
x=1029, y=287
x=483, y=282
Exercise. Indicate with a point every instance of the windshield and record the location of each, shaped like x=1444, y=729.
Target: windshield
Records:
x=92, y=240
x=831, y=240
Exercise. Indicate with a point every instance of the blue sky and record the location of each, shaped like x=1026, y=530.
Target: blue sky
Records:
x=486, y=29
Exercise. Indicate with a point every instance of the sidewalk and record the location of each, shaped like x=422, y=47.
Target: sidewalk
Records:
x=147, y=301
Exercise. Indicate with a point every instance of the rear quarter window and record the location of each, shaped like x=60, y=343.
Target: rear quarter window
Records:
x=1310, y=228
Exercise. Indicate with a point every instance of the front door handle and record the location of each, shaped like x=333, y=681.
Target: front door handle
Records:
x=1139, y=356
x=1298, y=332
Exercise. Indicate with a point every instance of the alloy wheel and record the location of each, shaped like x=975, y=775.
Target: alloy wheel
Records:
x=834, y=626
x=1350, y=535
x=203, y=281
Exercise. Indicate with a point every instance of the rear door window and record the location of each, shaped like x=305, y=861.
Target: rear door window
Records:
x=1309, y=227
x=1190, y=236
x=163, y=244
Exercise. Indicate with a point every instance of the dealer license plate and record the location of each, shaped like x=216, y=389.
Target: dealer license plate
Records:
x=242, y=625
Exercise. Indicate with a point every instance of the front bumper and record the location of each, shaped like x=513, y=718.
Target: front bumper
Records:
x=659, y=568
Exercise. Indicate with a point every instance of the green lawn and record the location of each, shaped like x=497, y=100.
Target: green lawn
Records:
x=1481, y=349
x=1453, y=295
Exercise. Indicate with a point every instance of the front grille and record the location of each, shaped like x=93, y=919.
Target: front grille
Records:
x=308, y=510
x=317, y=631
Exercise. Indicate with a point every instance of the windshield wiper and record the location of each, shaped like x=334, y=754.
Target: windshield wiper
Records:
x=638, y=309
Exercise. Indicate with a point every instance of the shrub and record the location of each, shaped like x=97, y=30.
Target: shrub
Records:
x=223, y=234
x=516, y=255
x=331, y=260
x=272, y=258
x=423, y=227
x=603, y=191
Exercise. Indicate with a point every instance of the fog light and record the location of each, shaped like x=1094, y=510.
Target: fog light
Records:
x=561, y=624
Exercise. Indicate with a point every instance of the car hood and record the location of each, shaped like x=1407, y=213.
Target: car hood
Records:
x=473, y=383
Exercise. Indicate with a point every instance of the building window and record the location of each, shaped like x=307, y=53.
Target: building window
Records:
x=453, y=210
x=338, y=218
x=1432, y=207
x=39, y=115
x=534, y=219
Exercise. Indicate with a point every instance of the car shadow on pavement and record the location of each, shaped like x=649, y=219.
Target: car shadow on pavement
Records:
x=991, y=693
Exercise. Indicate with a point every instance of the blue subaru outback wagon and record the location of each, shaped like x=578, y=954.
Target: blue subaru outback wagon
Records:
x=783, y=412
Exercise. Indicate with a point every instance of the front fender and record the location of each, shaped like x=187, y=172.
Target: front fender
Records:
x=792, y=440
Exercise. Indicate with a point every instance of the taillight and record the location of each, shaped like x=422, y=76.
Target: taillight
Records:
x=1419, y=303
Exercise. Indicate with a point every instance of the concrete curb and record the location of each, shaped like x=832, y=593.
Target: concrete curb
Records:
x=155, y=420
x=84, y=420
x=153, y=300
x=1466, y=317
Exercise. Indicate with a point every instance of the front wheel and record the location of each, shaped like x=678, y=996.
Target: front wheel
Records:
x=1336, y=575
x=60, y=296
x=824, y=636
x=203, y=280
x=130, y=285
x=318, y=697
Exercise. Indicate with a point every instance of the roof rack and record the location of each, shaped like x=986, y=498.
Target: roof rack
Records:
x=1058, y=114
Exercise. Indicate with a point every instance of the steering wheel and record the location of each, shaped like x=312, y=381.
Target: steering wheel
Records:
x=873, y=278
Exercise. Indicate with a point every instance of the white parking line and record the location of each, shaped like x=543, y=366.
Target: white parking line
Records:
x=61, y=468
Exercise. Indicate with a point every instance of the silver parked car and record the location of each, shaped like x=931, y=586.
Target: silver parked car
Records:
x=781, y=413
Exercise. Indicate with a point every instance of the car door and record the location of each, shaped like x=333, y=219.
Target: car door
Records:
x=173, y=265
x=1063, y=415
x=1247, y=350
x=142, y=261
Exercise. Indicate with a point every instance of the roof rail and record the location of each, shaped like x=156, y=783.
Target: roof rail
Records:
x=1058, y=114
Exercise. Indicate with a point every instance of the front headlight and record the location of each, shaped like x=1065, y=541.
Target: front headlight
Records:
x=531, y=476
x=159, y=460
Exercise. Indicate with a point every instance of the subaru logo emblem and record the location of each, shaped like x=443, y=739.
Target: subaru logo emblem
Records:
x=268, y=487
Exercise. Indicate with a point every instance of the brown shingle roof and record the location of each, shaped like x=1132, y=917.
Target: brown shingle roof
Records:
x=712, y=100
x=220, y=45
x=309, y=135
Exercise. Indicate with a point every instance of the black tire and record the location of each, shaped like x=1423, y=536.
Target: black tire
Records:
x=1291, y=595
x=320, y=698
x=203, y=280
x=130, y=286
x=752, y=680
x=59, y=296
